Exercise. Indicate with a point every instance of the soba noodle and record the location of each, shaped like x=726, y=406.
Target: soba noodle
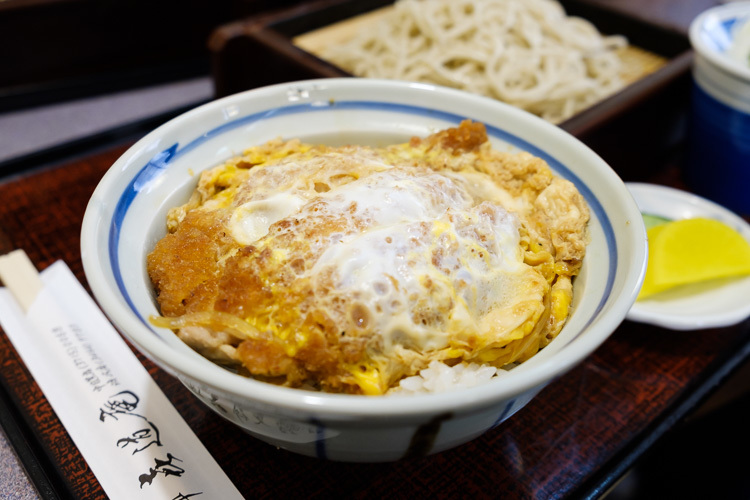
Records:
x=528, y=53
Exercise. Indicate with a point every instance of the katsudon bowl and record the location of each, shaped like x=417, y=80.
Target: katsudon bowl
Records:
x=126, y=217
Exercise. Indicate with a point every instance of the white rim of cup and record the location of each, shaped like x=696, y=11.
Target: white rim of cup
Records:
x=719, y=59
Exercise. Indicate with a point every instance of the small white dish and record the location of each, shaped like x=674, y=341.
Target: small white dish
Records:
x=717, y=303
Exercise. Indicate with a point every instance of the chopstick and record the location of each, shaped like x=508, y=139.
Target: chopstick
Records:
x=19, y=275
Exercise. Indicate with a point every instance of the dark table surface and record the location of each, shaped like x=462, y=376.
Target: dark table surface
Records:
x=575, y=439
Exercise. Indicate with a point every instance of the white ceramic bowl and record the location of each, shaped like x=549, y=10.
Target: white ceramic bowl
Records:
x=712, y=34
x=126, y=216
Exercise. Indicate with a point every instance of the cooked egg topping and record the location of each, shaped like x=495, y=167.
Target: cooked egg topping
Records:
x=347, y=269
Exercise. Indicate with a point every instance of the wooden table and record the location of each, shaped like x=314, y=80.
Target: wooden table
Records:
x=575, y=439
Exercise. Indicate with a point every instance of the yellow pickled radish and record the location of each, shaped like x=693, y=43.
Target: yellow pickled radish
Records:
x=693, y=250
x=650, y=287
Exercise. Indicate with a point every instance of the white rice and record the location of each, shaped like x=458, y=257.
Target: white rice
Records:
x=439, y=377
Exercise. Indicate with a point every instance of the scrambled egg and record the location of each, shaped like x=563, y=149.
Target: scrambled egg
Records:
x=347, y=269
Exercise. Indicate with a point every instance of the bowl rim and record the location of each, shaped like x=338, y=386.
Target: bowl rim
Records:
x=341, y=405
x=719, y=14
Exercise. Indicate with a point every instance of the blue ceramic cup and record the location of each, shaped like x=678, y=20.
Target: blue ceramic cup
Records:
x=718, y=156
